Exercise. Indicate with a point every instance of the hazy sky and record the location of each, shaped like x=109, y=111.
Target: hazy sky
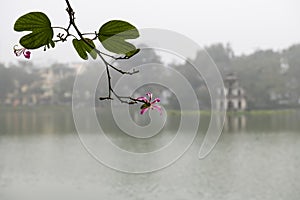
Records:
x=247, y=25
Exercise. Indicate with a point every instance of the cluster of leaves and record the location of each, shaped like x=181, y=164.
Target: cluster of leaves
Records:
x=112, y=35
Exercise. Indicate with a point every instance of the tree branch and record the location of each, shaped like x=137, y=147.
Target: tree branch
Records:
x=122, y=99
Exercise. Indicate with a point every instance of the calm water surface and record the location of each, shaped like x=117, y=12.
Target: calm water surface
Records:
x=257, y=157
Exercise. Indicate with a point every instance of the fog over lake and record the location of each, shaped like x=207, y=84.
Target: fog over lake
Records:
x=257, y=157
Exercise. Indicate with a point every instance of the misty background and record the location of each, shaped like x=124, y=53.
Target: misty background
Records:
x=247, y=25
x=257, y=156
x=257, y=40
x=270, y=78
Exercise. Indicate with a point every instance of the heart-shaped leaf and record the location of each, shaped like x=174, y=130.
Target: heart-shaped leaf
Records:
x=83, y=48
x=113, y=36
x=41, y=31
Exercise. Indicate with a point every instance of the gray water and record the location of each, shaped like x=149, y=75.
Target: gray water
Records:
x=257, y=157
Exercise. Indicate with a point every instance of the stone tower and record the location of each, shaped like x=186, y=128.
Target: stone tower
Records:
x=234, y=95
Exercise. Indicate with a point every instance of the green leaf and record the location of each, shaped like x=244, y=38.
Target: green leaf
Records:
x=132, y=53
x=41, y=31
x=83, y=48
x=113, y=36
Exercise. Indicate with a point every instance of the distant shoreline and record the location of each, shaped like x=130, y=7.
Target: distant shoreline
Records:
x=205, y=112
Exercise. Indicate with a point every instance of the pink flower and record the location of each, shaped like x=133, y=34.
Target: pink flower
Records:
x=149, y=104
x=21, y=51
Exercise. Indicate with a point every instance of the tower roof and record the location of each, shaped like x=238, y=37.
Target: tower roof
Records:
x=231, y=77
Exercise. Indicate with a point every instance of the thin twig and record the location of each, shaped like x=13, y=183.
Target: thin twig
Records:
x=129, y=100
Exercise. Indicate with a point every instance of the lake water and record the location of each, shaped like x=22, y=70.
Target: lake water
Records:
x=257, y=157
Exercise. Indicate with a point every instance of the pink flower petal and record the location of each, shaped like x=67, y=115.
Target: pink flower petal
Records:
x=144, y=110
x=21, y=51
x=155, y=100
x=143, y=99
x=149, y=94
x=158, y=108
x=27, y=54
